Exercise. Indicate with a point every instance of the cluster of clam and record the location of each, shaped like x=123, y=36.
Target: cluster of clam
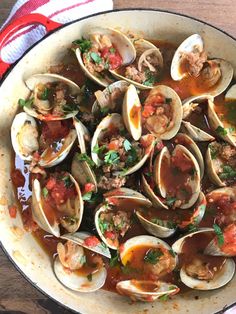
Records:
x=162, y=117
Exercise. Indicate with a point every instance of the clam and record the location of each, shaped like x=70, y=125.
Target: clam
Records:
x=50, y=215
x=132, y=112
x=197, y=272
x=190, y=59
x=110, y=99
x=152, y=258
x=193, y=43
x=162, y=112
x=95, y=61
x=189, y=106
x=222, y=118
x=49, y=97
x=144, y=290
x=183, y=166
x=110, y=126
x=82, y=135
x=25, y=141
x=77, y=267
x=145, y=70
x=119, y=206
x=189, y=143
x=220, y=170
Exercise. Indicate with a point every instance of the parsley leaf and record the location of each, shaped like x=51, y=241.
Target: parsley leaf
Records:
x=95, y=57
x=87, y=196
x=85, y=157
x=132, y=157
x=84, y=44
x=127, y=145
x=103, y=225
x=114, y=261
x=82, y=260
x=213, y=151
x=219, y=234
x=150, y=78
x=170, y=201
x=26, y=103
x=98, y=149
x=90, y=277
x=111, y=157
x=228, y=172
x=67, y=108
x=45, y=94
x=112, y=50
x=45, y=192
x=152, y=256
x=67, y=182
x=221, y=131
x=164, y=297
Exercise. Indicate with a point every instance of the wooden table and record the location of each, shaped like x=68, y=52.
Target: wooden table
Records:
x=16, y=294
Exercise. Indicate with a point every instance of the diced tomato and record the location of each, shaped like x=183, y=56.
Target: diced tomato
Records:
x=12, y=211
x=113, y=145
x=55, y=130
x=17, y=178
x=91, y=241
x=89, y=187
x=148, y=111
x=146, y=141
x=110, y=235
x=51, y=183
x=182, y=162
x=113, y=57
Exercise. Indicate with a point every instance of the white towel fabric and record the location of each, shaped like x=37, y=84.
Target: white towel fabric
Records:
x=61, y=11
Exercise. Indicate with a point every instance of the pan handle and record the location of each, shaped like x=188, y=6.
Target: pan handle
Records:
x=19, y=23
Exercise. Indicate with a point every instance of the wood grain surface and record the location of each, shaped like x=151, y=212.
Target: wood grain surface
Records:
x=16, y=294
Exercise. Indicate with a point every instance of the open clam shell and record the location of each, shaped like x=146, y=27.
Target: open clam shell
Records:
x=73, y=278
x=164, y=125
x=223, y=276
x=24, y=136
x=188, y=142
x=82, y=172
x=82, y=135
x=228, y=130
x=80, y=239
x=114, y=120
x=214, y=164
x=79, y=283
x=164, y=159
x=190, y=44
x=191, y=103
x=48, y=223
x=195, y=133
x=145, y=51
x=132, y=112
x=114, y=198
x=109, y=100
x=25, y=141
x=135, y=289
x=119, y=40
x=33, y=82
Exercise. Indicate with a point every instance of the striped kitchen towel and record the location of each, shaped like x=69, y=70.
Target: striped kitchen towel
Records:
x=61, y=11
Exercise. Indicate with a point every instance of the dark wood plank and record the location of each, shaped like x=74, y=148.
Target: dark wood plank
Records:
x=16, y=294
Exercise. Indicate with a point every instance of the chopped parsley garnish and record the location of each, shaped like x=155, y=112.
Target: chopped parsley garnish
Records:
x=151, y=80
x=87, y=196
x=164, y=297
x=114, y=261
x=104, y=110
x=103, y=225
x=148, y=174
x=127, y=269
x=164, y=223
x=90, y=277
x=67, y=108
x=228, y=173
x=84, y=44
x=168, y=101
x=170, y=201
x=112, y=50
x=85, y=157
x=132, y=157
x=111, y=157
x=219, y=234
x=213, y=151
x=192, y=228
x=82, y=260
x=127, y=145
x=67, y=182
x=152, y=256
x=221, y=131
x=95, y=57
x=98, y=149
x=26, y=103
x=45, y=192
x=45, y=94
